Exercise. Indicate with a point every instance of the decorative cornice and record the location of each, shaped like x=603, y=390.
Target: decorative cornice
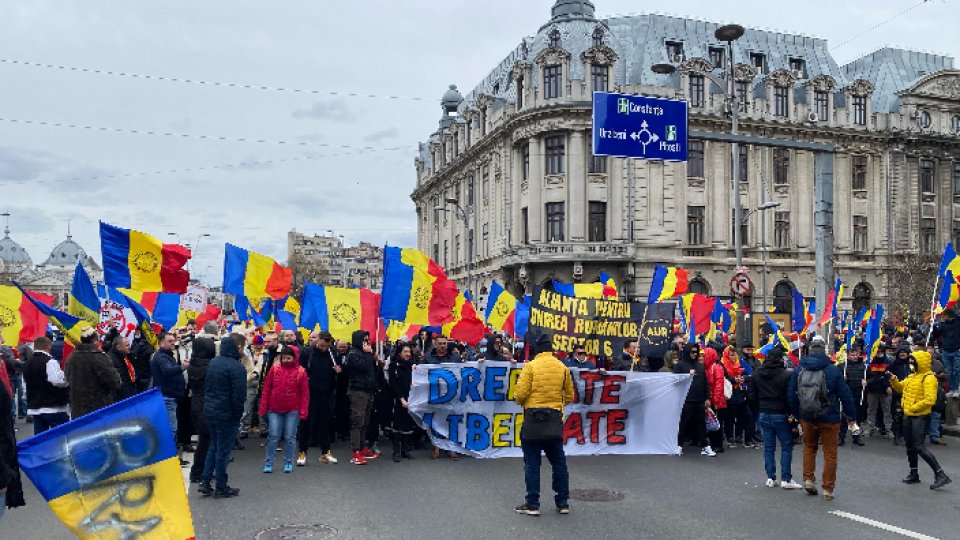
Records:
x=520, y=69
x=744, y=73
x=822, y=83
x=484, y=101
x=781, y=78
x=551, y=56
x=599, y=55
x=696, y=65
x=860, y=88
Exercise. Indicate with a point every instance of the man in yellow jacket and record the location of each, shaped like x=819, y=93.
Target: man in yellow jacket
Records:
x=545, y=386
x=919, y=392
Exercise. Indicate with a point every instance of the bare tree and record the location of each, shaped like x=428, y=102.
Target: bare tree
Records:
x=304, y=272
x=912, y=281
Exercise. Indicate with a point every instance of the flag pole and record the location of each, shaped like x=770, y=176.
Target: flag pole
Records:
x=933, y=300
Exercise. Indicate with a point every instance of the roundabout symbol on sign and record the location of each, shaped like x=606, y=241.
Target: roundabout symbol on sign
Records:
x=740, y=285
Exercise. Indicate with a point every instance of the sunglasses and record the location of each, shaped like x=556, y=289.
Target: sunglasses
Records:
x=579, y=353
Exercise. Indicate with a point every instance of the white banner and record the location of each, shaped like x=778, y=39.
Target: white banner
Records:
x=195, y=299
x=470, y=409
x=113, y=315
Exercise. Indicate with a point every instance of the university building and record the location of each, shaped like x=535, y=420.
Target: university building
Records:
x=515, y=152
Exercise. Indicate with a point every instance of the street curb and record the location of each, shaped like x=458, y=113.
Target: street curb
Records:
x=951, y=431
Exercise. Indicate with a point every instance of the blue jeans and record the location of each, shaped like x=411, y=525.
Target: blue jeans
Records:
x=934, y=429
x=21, y=397
x=171, y=406
x=45, y=421
x=775, y=428
x=223, y=435
x=951, y=364
x=284, y=424
x=531, y=471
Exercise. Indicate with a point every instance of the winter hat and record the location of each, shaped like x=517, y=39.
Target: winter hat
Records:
x=818, y=345
x=87, y=331
x=543, y=344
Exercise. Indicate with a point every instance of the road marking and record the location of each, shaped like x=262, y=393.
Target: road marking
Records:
x=883, y=526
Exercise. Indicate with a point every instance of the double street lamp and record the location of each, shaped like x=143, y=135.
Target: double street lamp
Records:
x=462, y=215
x=763, y=246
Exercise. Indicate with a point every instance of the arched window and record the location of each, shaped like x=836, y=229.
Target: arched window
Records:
x=700, y=286
x=783, y=297
x=862, y=296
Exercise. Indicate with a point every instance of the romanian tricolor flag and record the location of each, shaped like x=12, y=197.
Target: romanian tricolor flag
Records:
x=340, y=311
x=250, y=274
x=20, y=320
x=83, y=301
x=163, y=308
x=397, y=330
x=501, y=309
x=138, y=261
x=778, y=334
x=605, y=288
x=668, y=281
x=466, y=326
x=113, y=473
x=800, y=317
x=695, y=314
x=871, y=335
x=863, y=316
x=66, y=323
x=830, y=310
x=950, y=261
x=949, y=293
x=416, y=290
x=722, y=318
x=246, y=312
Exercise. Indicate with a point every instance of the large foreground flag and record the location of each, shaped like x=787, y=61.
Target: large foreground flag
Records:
x=113, y=473
x=20, y=320
x=250, y=274
x=416, y=290
x=340, y=311
x=136, y=260
x=668, y=281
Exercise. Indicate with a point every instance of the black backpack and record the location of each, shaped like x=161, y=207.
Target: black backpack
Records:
x=812, y=393
x=940, y=407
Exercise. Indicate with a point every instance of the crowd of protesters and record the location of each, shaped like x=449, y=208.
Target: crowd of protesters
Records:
x=224, y=386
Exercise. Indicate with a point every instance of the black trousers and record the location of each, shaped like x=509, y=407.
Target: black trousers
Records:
x=203, y=445
x=915, y=435
x=185, y=428
x=316, y=431
x=693, y=424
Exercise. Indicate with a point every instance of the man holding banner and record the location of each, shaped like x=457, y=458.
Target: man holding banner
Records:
x=544, y=388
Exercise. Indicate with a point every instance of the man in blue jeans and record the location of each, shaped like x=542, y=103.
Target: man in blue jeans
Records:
x=167, y=375
x=768, y=393
x=224, y=395
x=949, y=333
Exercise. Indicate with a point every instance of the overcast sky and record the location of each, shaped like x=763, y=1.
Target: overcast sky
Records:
x=407, y=48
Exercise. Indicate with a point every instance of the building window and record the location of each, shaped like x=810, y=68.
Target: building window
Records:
x=799, y=66
x=598, y=164
x=556, y=154
x=551, y=81
x=519, y=93
x=956, y=232
x=744, y=230
x=486, y=182
x=525, y=173
x=759, y=61
x=699, y=285
x=456, y=250
x=695, y=225
x=597, y=222
x=781, y=104
x=862, y=297
x=470, y=195
x=554, y=38
x=469, y=246
x=555, y=217
x=743, y=169
x=821, y=105
x=496, y=88
x=781, y=166
x=695, y=159
x=486, y=239
x=783, y=298
x=743, y=93
x=859, y=172
x=716, y=57
x=436, y=252
x=860, y=110
x=696, y=91
x=925, y=120
x=446, y=249
x=928, y=235
x=956, y=180
x=525, y=224
x=675, y=51
x=859, y=233
x=926, y=175
x=599, y=76
x=781, y=230
x=955, y=124
x=598, y=37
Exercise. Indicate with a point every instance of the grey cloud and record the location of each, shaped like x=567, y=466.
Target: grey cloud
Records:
x=383, y=134
x=335, y=110
x=22, y=166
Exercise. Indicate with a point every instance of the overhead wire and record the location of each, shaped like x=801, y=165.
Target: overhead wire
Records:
x=881, y=23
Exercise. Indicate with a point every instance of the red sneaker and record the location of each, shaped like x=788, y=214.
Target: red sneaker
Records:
x=358, y=459
x=369, y=454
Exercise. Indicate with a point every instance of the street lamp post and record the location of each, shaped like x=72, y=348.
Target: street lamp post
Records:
x=462, y=215
x=763, y=247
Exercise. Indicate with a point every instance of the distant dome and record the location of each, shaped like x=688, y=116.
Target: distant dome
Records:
x=452, y=98
x=569, y=10
x=65, y=252
x=12, y=254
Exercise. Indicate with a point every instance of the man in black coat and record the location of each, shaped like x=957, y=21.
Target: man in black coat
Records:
x=361, y=368
x=225, y=391
x=321, y=366
x=203, y=350
x=692, y=417
x=48, y=395
x=119, y=354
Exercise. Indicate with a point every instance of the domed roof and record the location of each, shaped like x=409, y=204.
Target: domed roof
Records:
x=65, y=253
x=452, y=98
x=12, y=253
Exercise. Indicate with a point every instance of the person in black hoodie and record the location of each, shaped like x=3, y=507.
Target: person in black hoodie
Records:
x=401, y=377
x=879, y=392
x=692, y=417
x=768, y=394
x=141, y=352
x=119, y=354
x=361, y=368
x=203, y=352
x=224, y=394
x=322, y=369
x=855, y=374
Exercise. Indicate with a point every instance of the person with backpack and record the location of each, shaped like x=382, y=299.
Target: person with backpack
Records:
x=922, y=394
x=768, y=392
x=815, y=395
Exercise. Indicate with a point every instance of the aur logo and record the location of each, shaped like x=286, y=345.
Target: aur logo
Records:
x=146, y=262
x=502, y=309
x=7, y=317
x=421, y=297
x=623, y=105
x=344, y=314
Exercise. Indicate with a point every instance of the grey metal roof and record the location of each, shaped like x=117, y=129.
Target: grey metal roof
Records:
x=893, y=70
x=13, y=253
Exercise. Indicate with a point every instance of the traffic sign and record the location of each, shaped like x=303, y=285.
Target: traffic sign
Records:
x=639, y=127
x=740, y=285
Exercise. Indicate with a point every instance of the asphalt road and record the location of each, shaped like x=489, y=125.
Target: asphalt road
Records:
x=663, y=497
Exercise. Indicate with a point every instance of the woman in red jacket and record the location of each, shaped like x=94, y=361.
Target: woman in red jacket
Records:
x=285, y=402
x=718, y=400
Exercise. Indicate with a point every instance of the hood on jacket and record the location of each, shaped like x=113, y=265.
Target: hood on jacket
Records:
x=356, y=340
x=492, y=351
x=229, y=348
x=709, y=357
x=924, y=361
x=904, y=347
x=775, y=356
x=685, y=357
x=772, y=365
x=204, y=348
x=815, y=362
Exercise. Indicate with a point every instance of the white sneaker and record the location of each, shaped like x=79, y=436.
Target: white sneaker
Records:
x=771, y=483
x=301, y=459
x=328, y=458
x=790, y=485
x=707, y=451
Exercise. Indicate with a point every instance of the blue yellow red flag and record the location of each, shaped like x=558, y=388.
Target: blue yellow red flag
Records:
x=83, y=301
x=668, y=281
x=138, y=261
x=20, y=320
x=254, y=275
x=466, y=326
x=416, y=290
x=340, y=311
x=501, y=309
x=66, y=323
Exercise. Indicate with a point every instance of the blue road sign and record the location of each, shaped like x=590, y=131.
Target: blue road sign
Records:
x=639, y=127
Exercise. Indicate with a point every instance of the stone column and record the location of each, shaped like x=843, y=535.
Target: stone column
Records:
x=616, y=197
x=516, y=177
x=577, y=190
x=535, y=190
